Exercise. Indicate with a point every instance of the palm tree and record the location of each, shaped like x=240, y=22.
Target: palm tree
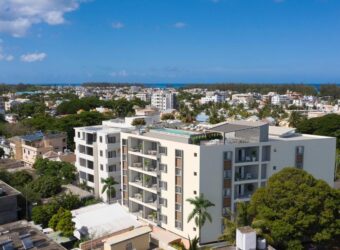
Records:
x=193, y=243
x=200, y=212
x=109, y=186
x=295, y=118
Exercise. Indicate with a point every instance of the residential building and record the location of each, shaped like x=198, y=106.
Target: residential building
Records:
x=215, y=97
x=28, y=147
x=162, y=168
x=66, y=156
x=22, y=235
x=14, y=102
x=98, y=155
x=279, y=99
x=8, y=203
x=163, y=100
x=11, y=118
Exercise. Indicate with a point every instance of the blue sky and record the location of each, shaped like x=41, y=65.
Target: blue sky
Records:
x=49, y=41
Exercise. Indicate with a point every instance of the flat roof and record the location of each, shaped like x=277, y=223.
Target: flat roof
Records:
x=128, y=235
x=7, y=190
x=228, y=127
x=16, y=231
x=101, y=219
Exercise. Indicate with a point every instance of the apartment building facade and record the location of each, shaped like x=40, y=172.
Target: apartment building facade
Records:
x=28, y=148
x=98, y=156
x=163, y=100
x=163, y=167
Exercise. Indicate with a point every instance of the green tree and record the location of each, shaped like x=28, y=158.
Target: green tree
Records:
x=46, y=186
x=63, y=170
x=296, y=209
x=138, y=122
x=62, y=221
x=193, y=243
x=296, y=118
x=109, y=187
x=200, y=210
x=234, y=220
x=167, y=116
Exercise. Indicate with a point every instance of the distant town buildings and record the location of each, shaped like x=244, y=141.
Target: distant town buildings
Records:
x=28, y=148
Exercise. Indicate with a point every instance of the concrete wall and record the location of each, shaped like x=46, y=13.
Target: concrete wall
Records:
x=8, y=209
x=139, y=243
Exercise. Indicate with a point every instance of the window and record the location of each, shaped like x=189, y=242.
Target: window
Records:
x=226, y=192
x=90, y=164
x=274, y=167
x=195, y=173
x=101, y=153
x=179, y=153
x=81, y=149
x=195, y=192
x=194, y=228
x=101, y=167
x=89, y=151
x=129, y=246
x=266, y=153
x=163, y=168
x=111, y=154
x=178, y=172
x=263, y=171
x=100, y=138
x=163, y=202
x=90, y=178
x=178, y=207
x=82, y=162
x=163, y=185
x=178, y=224
x=163, y=150
x=112, y=168
x=82, y=175
x=227, y=174
x=78, y=134
x=178, y=189
x=124, y=142
x=111, y=139
x=164, y=218
x=195, y=154
x=299, y=150
x=227, y=155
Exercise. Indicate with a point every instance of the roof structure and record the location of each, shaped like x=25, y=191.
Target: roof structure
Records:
x=102, y=219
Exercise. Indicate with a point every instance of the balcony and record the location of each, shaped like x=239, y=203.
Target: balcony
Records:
x=248, y=154
x=244, y=191
x=246, y=173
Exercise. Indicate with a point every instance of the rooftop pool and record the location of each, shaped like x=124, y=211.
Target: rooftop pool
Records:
x=174, y=131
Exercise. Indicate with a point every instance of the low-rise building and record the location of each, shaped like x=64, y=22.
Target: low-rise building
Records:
x=8, y=203
x=28, y=147
x=21, y=235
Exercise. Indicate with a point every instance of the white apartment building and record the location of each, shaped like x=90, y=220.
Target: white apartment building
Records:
x=161, y=168
x=279, y=99
x=213, y=97
x=98, y=155
x=163, y=100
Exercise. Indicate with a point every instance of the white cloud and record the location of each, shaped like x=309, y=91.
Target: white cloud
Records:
x=33, y=57
x=121, y=73
x=118, y=25
x=17, y=16
x=180, y=25
x=3, y=56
